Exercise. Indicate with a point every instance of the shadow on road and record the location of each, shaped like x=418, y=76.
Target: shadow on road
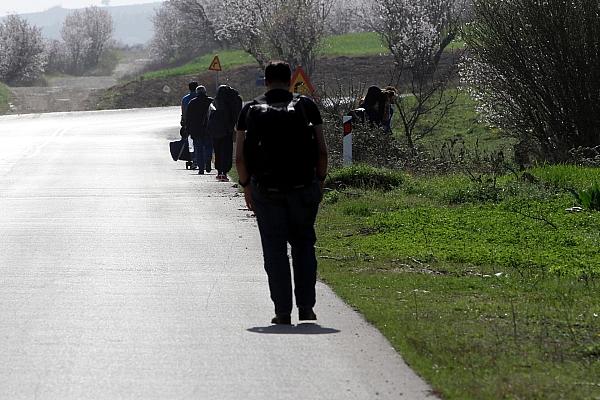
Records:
x=300, y=329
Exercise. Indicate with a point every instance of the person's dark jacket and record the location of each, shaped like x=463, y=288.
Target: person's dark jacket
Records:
x=224, y=112
x=374, y=105
x=197, y=116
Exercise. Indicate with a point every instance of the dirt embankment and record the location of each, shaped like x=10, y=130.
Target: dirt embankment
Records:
x=329, y=74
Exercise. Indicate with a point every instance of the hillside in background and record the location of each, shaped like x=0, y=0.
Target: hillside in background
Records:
x=133, y=24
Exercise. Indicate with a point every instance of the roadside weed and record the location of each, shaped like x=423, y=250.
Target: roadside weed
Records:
x=485, y=299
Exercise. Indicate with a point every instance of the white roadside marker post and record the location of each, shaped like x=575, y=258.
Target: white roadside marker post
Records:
x=347, y=147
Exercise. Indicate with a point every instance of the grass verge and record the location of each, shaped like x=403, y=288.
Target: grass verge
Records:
x=229, y=59
x=486, y=300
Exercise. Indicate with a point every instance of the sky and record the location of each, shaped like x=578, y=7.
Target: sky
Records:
x=27, y=6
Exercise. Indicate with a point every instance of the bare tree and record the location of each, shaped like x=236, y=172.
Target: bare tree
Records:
x=291, y=30
x=182, y=30
x=86, y=33
x=22, y=56
x=533, y=67
x=417, y=35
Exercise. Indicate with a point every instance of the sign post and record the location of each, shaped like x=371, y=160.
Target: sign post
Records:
x=347, y=146
x=300, y=83
x=215, y=65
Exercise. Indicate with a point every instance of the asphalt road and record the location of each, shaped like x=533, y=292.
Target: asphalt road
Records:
x=124, y=276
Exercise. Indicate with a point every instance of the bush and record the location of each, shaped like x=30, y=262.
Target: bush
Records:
x=567, y=177
x=533, y=67
x=589, y=199
x=365, y=177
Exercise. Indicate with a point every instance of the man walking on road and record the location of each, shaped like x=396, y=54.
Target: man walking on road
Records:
x=185, y=101
x=223, y=115
x=196, y=126
x=281, y=160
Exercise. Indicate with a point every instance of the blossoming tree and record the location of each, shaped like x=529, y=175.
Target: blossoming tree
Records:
x=418, y=35
x=291, y=30
x=22, y=50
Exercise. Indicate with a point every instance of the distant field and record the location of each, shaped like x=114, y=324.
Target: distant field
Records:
x=4, y=96
x=351, y=45
x=229, y=59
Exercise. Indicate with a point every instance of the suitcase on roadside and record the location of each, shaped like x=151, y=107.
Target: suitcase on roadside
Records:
x=180, y=151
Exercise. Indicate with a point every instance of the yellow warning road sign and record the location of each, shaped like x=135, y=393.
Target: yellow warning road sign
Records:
x=300, y=83
x=215, y=65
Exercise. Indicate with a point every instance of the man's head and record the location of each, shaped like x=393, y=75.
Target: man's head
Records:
x=201, y=90
x=193, y=85
x=278, y=74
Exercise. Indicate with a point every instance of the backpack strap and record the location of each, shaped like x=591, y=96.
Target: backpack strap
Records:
x=262, y=99
x=296, y=101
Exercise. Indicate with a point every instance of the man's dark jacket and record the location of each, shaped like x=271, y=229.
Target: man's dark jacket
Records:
x=197, y=116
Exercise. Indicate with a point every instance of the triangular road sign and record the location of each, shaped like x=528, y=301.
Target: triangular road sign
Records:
x=215, y=65
x=300, y=83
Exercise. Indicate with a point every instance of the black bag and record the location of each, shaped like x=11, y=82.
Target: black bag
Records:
x=280, y=148
x=180, y=150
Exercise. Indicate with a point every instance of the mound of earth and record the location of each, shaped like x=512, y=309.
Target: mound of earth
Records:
x=330, y=74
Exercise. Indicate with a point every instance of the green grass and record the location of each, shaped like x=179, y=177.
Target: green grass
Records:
x=461, y=123
x=485, y=299
x=4, y=98
x=365, y=177
x=229, y=59
x=568, y=176
x=354, y=44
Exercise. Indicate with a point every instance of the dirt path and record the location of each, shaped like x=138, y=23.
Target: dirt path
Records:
x=68, y=93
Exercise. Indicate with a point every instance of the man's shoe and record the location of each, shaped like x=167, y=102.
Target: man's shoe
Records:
x=282, y=319
x=224, y=178
x=306, y=314
x=200, y=172
x=208, y=167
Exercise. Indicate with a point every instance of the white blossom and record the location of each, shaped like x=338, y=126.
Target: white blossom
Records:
x=22, y=56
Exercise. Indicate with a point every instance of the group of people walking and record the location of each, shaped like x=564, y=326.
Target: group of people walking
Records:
x=281, y=161
x=210, y=123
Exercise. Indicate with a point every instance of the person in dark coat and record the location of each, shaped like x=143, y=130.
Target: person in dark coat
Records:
x=286, y=207
x=374, y=105
x=222, y=118
x=196, y=125
x=185, y=101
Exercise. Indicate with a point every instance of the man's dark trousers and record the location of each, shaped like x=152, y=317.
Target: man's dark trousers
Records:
x=223, y=153
x=202, y=152
x=288, y=217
